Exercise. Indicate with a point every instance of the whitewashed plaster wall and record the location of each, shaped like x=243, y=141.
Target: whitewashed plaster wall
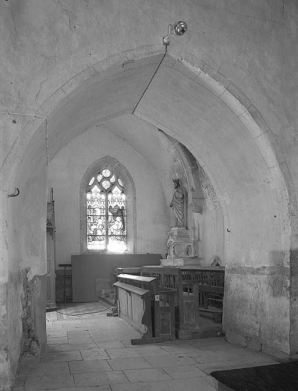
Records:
x=26, y=291
x=212, y=236
x=65, y=174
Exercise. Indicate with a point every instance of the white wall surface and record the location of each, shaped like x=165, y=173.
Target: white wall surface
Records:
x=65, y=174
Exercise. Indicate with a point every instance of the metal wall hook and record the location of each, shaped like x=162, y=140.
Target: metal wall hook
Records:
x=15, y=194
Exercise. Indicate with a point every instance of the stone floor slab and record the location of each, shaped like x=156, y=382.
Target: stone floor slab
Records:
x=146, y=375
x=106, y=327
x=247, y=364
x=78, y=333
x=105, y=338
x=151, y=350
x=121, y=353
x=115, y=336
x=137, y=351
x=101, y=378
x=110, y=345
x=58, y=333
x=56, y=341
x=211, y=367
x=89, y=366
x=128, y=363
x=194, y=384
x=48, y=382
x=212, y=381
x=78, y=346
x=71, y=325
x=206, y=356
x=179, y=349
x=184, y=372
x=95, y=354
x=61, y=357
x=53, y=348
x=127, y=343
x=236, y=354
x=76, y=341
x=43, y=369
x=170, y=361
x=99, y=388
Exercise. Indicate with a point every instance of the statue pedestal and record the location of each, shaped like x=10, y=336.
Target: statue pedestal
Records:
x=181, y=249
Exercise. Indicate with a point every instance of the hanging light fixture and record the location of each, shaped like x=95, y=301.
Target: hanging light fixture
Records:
x=178, y=28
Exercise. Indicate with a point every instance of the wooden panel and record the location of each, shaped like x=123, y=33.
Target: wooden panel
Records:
x=51, y=295
x=189, y=311
x=164, y=314
x=87, y=268
x=131, y=288
x=135, y=307
x=131, y=277
x=165, y=323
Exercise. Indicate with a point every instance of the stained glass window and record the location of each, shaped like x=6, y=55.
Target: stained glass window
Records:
x=106, y=213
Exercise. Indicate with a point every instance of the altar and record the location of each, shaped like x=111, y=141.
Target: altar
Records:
x=94, y=274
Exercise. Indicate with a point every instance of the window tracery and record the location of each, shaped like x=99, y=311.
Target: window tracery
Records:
x=106, y=212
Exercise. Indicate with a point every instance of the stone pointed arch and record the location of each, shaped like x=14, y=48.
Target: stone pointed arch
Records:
x=37, y=136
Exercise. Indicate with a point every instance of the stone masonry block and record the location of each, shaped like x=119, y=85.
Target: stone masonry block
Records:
x=236, y=339
x=254, y=344
x=281, y=356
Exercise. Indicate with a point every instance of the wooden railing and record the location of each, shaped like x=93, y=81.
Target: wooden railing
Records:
x=210, y=282
x=197, y=289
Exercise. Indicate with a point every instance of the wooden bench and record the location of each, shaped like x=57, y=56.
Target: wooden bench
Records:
x=155, y=315
x=197, y=289
x=277, y=377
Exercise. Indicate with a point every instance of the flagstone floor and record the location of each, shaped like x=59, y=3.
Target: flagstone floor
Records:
x=88, y=351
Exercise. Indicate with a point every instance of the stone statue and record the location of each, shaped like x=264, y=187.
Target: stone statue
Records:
x=177, y=204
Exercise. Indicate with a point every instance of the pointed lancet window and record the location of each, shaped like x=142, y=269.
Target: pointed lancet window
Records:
x=106, y=213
